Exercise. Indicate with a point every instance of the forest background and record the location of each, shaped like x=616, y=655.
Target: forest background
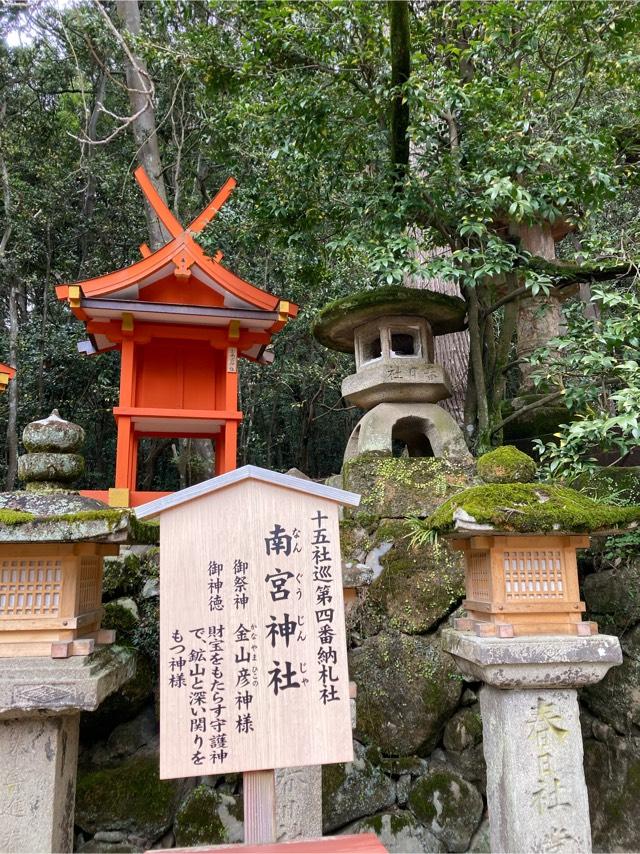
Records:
x=494, y=145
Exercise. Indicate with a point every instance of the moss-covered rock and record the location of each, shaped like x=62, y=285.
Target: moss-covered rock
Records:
x=407, y=689
x=464, y=729
x=605, y=481
x=208, y=817
x=612, y=772
x=507, y=465
x=129, y=797
x=540, y=423
x=335, y=324
x=126, y=574
x=396, y=487
x=418, y=585
x=613, y=596
x=616, y=699
x=529, y=507
x=450, y=807
x=398, y=831
x=353, y=789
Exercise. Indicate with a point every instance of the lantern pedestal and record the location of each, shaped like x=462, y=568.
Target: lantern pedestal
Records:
x=40, y=704
x=536, y=791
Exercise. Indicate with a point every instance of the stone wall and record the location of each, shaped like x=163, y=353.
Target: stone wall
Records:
x=418, y=778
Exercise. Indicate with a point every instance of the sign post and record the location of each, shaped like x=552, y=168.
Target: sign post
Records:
x=253, y=658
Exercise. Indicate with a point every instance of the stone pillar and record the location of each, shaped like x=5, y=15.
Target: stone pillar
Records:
x=536, y=791
x=40, y=704
x=298, y=803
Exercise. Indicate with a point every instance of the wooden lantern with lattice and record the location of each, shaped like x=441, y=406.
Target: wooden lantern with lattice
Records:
x=523, y=585
x=50, y=598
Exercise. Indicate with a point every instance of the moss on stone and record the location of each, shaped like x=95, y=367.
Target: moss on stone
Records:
x=15, y=517
x=334, y=325
x=604, y=482
x=397, y=487
x=198, y=821
x=122, y=620
x=507, y=465
x=127, y=797
x=111, y=516
x=529, y=507
x=418, y=585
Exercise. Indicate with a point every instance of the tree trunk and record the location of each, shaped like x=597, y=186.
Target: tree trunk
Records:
x=12, y=392
x=140, y=89
x=400, y=45
x=539, y=318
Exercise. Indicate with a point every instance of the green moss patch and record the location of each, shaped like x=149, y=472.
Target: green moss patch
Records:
x=15, y=517
x=198, y=821
x=335, y=324
x=507, y=465
x=531, y=507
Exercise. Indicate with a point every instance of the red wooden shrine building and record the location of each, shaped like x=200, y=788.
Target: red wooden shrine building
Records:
x=181, y=320
x=7, y=373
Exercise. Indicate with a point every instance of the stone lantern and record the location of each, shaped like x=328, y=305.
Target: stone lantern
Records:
x=391, y=331
x=52, y=548
x=519, y=540
x=525, y=640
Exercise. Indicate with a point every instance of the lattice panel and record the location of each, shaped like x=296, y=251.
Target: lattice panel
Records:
x=478, y=565
x=533, y=575
x=89, y=584
x=30, y=587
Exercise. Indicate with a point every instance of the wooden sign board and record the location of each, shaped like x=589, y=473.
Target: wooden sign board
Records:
x=253, y=658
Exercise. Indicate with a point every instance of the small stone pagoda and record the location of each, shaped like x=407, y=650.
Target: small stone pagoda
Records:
x=391, y=331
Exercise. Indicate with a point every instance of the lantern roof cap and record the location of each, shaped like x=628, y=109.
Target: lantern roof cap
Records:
x=336, y=323
x=529, y=508
x=214, y=484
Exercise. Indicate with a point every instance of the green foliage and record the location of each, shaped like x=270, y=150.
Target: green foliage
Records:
x=596, y=365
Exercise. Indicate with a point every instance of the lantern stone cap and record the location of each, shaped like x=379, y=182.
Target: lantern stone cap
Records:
x=529, y=508
x=214, y=484
x=533, y=661
x=58, y=516
x=335, y=324
x=55, y=686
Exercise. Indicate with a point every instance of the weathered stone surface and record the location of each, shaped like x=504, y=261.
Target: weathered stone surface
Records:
x=353, y=789
x=613, y=597
x=52, y=434
x=450, y=807
x=127, y=573
x=100, y=846
x=481, y=842
x=405, y=486
x=416, y=380
x=129, y=797
x=418, y=586
x=398, y=831
x=298, y=803
x=534, y=662
x=536, y=792
x=463, y=730
x=612, y=772
x=421, y=425
x=407, y=688
x=151, y=588
x=468, y=763
x=57, y=686
x=37, y=783
x=208, y=817
x=50, y=467
x=616, y=700
x=123, y=705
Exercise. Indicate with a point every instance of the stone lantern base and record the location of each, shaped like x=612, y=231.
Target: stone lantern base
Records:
x=536, y=791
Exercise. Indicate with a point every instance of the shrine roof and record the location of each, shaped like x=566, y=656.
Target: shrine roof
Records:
x=7, y=369
x=180, y=260
x=297, y=484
